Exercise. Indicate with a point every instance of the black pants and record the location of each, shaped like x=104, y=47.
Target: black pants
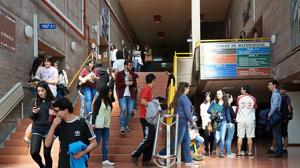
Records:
x=35, y=148
x=146, y=146
x=208, y=140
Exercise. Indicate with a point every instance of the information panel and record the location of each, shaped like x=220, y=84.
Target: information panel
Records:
x=233, y=60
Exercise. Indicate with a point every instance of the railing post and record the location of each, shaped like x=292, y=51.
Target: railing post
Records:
x=22, y=109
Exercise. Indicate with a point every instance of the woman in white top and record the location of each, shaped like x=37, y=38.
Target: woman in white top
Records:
x=62, y=85
x=101, y=121
x=208, y=134
x=137, y=58
x=113, y=56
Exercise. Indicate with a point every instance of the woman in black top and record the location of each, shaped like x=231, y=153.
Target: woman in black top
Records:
x=41, y=116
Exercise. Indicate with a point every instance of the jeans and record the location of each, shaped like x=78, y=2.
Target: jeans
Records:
x=103, y=133
x=276, y=129
x=82, y=105
x=198, y=140
x=89, y=94
x=126, y=105
x=220, y=136
x=230, y=133
x=184, y=139
x=60, y=93
x=136, y=65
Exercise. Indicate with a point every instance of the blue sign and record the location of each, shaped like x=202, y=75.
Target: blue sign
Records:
x=47, y=26
x=220, y=71
x=254, y=51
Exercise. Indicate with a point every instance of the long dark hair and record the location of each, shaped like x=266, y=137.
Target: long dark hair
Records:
x=49, y=95
x=205, y=95
x=104, y=94
x=180, y=90
x=35, y=65
x=223, y=97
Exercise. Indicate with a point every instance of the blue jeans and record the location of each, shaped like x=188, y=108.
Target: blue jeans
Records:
x=136, y=65
x=103, y=133
x=230, y=133
x=126, y=105
x=184, y=139
x=276, y=129
x=198, y=140
x=82, y=105
x=59, y=94
x=89, y=94
x=220, y=136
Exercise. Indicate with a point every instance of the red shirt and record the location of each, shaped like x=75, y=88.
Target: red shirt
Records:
x=146, y=94
x=85, y=71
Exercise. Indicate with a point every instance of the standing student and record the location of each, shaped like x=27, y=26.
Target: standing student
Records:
x=137, y=58
x=146, y=146
x=230, y=118
x=218, y=110
x=41, y=117
x=113, y=52
x=49, y=74
x=206, y=124
x=276, y=127
x=69, y=129
x=246, y=105
x=101, y=121
x=148, y=58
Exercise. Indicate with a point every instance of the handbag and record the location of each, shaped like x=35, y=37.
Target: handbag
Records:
x=209, y=127
x=275, y=118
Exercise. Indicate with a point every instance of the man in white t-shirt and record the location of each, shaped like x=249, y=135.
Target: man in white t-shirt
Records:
x=49, y=74
x=118, y=65
x=246, y=105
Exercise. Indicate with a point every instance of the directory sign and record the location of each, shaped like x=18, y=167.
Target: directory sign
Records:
x=235, y=59
x=7, y=32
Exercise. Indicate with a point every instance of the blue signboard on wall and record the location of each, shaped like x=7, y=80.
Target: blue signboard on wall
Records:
x=47, y=26
x=220, y=71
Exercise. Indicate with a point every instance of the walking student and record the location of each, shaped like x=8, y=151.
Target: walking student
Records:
x=70, y=129
x=146, y=146
x=101, y=121
x=41, y=118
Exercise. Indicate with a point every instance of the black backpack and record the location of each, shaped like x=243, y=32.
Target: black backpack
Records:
x=284, y=109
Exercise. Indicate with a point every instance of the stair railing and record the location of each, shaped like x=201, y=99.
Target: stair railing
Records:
x=10, y=100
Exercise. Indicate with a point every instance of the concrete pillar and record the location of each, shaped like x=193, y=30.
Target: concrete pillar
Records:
x=196, y=29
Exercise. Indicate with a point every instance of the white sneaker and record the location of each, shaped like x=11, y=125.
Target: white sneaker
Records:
x=107, y=163
x=192, y=163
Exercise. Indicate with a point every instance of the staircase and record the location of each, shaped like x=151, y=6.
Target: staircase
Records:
x=15, y=152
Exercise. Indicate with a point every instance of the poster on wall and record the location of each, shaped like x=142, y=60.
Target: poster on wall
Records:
x=295, y=16
x=7, y=32
x=235, y=60
x=105, y=20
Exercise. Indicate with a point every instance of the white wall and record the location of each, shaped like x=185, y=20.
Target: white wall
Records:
x=294, y=125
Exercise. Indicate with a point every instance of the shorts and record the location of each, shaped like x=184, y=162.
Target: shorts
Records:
x=246, y=128
x=40, y=131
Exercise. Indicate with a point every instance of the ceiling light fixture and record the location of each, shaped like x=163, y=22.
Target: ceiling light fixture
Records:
x=157, y=19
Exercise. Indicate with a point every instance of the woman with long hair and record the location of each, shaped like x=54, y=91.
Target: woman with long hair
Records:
x=33, y=76
x=101, y=121
x=183, y=107
x=137, y=58
x=62, y=85
x=88, y=77
x=148, y=58
x=206, y=124
x=230, y=118
x=217, y=109
x=41, y=116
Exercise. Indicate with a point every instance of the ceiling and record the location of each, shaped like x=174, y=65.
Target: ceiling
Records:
x=175, y=21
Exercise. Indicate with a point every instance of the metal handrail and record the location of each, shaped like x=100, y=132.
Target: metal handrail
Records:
x=168, y=157
x=75, y=77
x=10, y=100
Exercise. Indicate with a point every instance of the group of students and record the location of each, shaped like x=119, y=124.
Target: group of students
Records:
x=141, y=58
x=220, y=116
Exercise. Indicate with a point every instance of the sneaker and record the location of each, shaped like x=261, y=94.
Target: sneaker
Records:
x=243, y=153
x=134, y=160
x=127, y=129
x=192, y=163
x=214, y=154
x=221, y=156
x=122, y=131
x=230, y=156
x=285, y=151
x=198, y=158
x=206, y=153
x=270, y=151
x=107, y=163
